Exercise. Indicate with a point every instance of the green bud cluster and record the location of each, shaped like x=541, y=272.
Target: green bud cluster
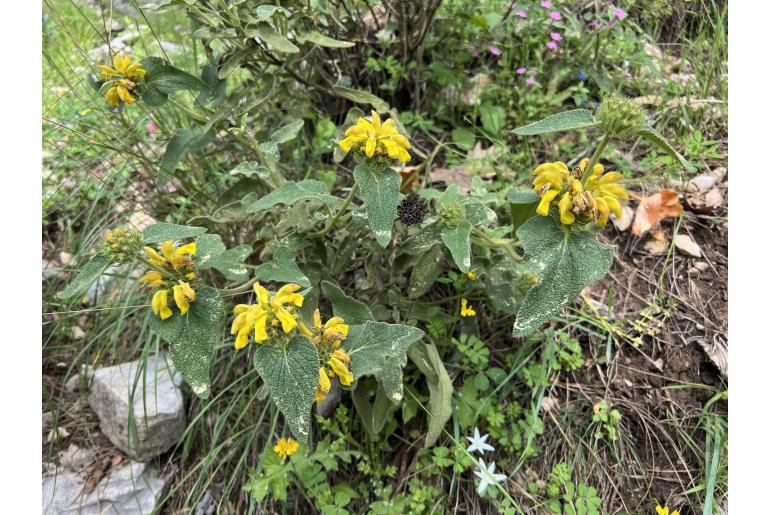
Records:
x=123, y=244
x=451, y=214
x=620, y=117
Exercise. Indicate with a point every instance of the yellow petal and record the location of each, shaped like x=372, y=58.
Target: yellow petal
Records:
x=263, y=296
x=240, y=308
x=376, y=124
x=242, y=339
x=566, y=215
x=371, y=146
x=167, y=249
x=288, y=323
x=112, y=97
x=181, y=299
x=545, y=202
x=317, y=319
x=324, y=383
x=613, y=205
x=190, y=249
x=347, y=143
x=239, y=322
x=125, y=95
x=260, y=328
x=603, y=212
x=304, y=330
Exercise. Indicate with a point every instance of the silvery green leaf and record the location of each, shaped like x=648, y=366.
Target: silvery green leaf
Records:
x=293, y=192
x=361, y=97
x=655, y=137
x=291, y=376
x=325, y=41
x=477, y=213
x=425, y=272
x=282, y=269
x=380, y=193
x=275, y=40
x=423, y=240
x=459, y=244
x=288, y=132
x=564, y=261
x=351, y=310
x=373, y=345
x=568, y=120
x=163, y=231
x=192, y=338
x=85, y=277
x=427, y=359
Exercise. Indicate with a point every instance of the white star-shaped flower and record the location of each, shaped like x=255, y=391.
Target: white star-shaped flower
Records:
x=478, y=442
x=487, y=476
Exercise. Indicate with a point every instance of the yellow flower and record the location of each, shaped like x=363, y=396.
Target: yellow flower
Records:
x=465, y=309
x=174, y=271
x=664, y=511
x=471, y=276
x=160, y=304
x=183, y=294
x=286, y=447
x=270, y=311
x=123, y=67
x=377, y=138
x=592, y=203
x=328, y=337
x=123, y=77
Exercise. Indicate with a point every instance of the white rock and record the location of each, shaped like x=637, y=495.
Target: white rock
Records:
x=686, y=244
x=701, y=183
x=133, y=489
x=117, y=390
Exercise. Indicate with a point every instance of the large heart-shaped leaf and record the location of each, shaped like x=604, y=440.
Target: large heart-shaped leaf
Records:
x=458, y=242
x=192, y=338
x=162, y=231
x=379, y=191
x=291, y=376
x=565, y=262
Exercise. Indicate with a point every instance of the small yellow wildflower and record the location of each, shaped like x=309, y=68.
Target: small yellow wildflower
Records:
x=174, y=268
x=286, y=447
x=270, y=311
x=376, y=138
x=123, y=76
x=465, y=309
x=592, y=203
x=336, y=363
x=471, y=276
x=664, y=511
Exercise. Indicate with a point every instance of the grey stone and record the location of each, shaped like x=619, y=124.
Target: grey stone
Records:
x=155, y=396
x=132, y=489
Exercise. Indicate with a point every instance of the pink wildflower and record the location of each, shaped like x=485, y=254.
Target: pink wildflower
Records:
x=521, y=14
x=151, y=127
x=555, y=15
x=552, y=45
x=530, y=80
x=495, y=51
x=620, y=13
x=555, y=36
x=546, y=4
x=521, y=71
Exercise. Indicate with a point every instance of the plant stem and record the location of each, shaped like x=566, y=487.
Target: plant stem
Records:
x=594, y=159
x=239, y=289
x=323, y=232
x=163, y=272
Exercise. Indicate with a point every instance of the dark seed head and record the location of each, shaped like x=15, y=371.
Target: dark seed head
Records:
x=412, y=210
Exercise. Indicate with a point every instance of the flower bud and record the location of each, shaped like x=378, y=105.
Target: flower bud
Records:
x=620, y=117
x=451, y=214
x=123, y=244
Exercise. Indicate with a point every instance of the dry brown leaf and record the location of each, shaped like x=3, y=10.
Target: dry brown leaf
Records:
x=58, y=433
x=716, y=350
x=655, y=208
x=455, y=175
x=686, y=244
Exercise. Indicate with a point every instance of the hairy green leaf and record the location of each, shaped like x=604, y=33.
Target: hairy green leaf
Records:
x=163, y=231
x=325, y=41
x=291, y=376
x=568, y=120
x=371, y=344
x=523, y=202
x=565, y=262
x=427, y=359
x=192, y=338
x=380, y=193
x=185, y=140
x=282, y=269
x=655, y=137
x=85, y=277
x=459, y=244
x=374, y=413
x=351, y=310
x=275, y=40
x=293, y=192
x=361, y=97
x=425, y=272
x=211, y=253
x=288, y=132
x=165, y=79
x=423, y=240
